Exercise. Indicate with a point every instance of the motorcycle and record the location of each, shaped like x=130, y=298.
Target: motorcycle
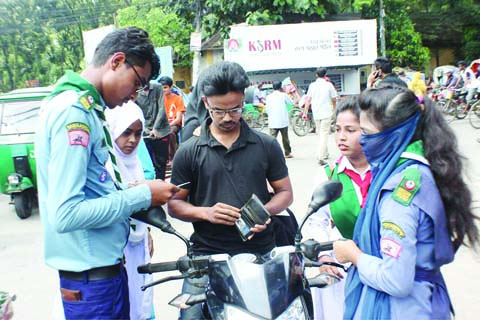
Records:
x=247, y=286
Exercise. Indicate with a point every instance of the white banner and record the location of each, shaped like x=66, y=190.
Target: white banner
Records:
x=303, y=45
x=196, y=41
x=92, y=38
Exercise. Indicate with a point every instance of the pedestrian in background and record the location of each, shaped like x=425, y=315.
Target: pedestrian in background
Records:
x=126, y=127
x=322, y=97
x=276, y=104
x=156, y=128
x=84, y=214
x=175, y=108
x=417, y=85
x=382, y=72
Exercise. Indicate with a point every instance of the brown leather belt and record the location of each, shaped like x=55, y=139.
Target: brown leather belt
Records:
x=100, y=273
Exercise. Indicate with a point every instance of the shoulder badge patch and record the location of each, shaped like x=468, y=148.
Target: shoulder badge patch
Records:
x=408, y=186
x=86, y=101
x=393, y=227
x=78, y=134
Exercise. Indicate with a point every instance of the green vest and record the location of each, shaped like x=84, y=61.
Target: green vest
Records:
x=345, y=209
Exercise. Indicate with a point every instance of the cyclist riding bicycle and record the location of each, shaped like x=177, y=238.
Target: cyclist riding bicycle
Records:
x=470, y=82
x=451, y=80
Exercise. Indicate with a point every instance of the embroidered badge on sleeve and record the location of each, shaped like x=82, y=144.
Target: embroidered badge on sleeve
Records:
x=86, y=101
x=78, y=134
x=390, y=247
x=393, y=227
x=408, y=186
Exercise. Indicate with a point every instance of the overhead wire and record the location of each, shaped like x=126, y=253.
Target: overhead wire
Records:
x=68, y=16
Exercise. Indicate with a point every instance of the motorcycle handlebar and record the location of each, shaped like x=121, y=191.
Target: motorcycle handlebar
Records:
x=312, y=248
x=158, y=267
x=184, y=264
x=326, y=246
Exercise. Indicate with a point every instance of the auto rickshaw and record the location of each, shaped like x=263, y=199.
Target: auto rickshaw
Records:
x=19, y=111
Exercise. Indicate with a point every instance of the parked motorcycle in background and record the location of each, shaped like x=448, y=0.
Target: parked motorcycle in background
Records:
x=247, y=286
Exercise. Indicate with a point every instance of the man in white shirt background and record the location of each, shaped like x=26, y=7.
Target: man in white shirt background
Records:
x=277, y=102
x=322, y=97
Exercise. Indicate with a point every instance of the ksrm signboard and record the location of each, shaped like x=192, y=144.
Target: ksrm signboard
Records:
x=303, y=45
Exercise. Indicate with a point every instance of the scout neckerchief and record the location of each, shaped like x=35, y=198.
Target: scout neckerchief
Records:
x=364, y=183
x=382, y=150
x=75, y=82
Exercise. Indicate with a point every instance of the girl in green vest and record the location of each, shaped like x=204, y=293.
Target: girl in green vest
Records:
x=338, y=219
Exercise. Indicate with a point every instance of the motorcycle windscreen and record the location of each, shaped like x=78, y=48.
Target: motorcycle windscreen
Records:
x=263, y=289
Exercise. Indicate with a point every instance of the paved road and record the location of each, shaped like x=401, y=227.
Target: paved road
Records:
x=23, y=272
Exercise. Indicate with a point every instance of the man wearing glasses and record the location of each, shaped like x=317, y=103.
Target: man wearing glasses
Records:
x=84, y=213
x=225, y=165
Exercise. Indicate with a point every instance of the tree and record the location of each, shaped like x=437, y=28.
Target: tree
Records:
x=41, y=39
x=403, y=43
x=165, y=29
x=22, y=40
x=471, y=37
x=218, y=15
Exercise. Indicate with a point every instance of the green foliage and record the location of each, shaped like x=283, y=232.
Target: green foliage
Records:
x=165, y=29
x=41, y=39
x=219, y=14
x=438, y=5
x=403, y=43
x=471, y=43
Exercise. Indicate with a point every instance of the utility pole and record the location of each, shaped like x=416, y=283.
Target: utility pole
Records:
x=382, y=29
x=197, y=53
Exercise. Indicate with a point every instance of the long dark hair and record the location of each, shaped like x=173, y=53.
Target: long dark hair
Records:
x=389, y=106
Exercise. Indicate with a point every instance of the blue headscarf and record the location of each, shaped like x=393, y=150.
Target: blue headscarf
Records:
x=382, y=150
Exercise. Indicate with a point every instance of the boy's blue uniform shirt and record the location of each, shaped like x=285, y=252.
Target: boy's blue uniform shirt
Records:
x=85, y=217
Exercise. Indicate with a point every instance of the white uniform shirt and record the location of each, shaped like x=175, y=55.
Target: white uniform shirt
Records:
x=322, y=92
x=277, y=109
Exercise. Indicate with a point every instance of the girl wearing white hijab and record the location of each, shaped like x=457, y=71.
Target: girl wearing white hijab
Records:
x=126, y=127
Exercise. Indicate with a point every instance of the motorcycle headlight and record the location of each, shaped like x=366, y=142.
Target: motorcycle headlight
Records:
x=233, y=312
x=295, y=310
x=14, y=178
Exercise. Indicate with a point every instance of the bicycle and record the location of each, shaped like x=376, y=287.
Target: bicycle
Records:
x=293, y=112
x=256, y=120
x=453, y=104
x=474, y=115
x=302, y=123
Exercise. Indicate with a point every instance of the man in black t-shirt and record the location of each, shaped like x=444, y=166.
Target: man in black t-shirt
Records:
x=225, y=165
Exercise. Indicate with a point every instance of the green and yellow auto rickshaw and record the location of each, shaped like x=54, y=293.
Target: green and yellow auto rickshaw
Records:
x=19, y=111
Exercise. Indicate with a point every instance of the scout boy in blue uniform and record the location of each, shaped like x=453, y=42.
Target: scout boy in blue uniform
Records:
x=84, y=213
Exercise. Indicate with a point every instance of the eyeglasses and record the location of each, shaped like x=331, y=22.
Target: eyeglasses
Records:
x=220, y=113
x=142, y=82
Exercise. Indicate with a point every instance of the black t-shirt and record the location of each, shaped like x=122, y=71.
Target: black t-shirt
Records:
x=153, y=110
x=254, y=158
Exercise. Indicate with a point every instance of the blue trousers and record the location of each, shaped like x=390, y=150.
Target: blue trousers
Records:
x=99, y=299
